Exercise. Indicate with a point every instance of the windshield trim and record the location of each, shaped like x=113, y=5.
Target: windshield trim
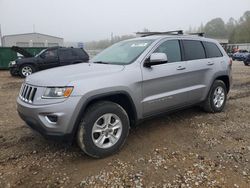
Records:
x=40, y=52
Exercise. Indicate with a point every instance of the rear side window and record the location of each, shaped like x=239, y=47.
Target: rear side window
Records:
x=65, y=54
x=193, y=50
x=212, y=50
x=80, y=53
x=172, y=49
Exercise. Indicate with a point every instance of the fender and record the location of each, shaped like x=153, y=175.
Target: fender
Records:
x=98, y=97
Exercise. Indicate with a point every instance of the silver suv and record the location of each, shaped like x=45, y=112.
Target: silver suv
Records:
x=97, y=102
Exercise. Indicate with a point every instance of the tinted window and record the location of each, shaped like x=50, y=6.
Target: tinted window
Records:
x=172, y=49
x=193, y=50
x=50, y=54
x=212, y=50
x=65, y=54
x=80, y=53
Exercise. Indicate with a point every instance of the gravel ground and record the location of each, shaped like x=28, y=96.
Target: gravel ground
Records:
x=188, y=148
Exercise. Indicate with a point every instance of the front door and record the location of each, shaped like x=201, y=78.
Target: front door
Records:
x=49, y=59
x=164, y=86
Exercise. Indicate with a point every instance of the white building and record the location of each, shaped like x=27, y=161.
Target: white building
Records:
x=31, y=40
x=240, y=46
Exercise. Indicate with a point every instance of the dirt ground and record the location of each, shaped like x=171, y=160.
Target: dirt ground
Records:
x=189, y=148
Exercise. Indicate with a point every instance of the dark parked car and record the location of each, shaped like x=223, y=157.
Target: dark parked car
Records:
x=240, y=55
x=47, y=58
x=247, y=60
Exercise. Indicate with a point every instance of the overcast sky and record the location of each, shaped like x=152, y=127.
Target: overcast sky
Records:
x=86, y=20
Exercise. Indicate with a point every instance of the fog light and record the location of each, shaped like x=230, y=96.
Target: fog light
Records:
x=52, y=118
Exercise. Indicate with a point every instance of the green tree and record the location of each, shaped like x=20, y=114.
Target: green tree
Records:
x=216, y=28
x=241, y=32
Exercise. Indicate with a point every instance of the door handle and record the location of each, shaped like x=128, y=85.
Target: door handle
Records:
x=180, y=68
x=210, y=63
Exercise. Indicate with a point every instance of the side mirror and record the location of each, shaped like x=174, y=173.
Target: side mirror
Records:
x=42, y=55
x=156, y=59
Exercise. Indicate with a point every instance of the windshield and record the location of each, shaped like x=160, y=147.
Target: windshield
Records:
x=123, y=52
x=40, y=53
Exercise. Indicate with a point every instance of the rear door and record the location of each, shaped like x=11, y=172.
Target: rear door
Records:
x=164, y=86
x=199, y=70
x=66, y=56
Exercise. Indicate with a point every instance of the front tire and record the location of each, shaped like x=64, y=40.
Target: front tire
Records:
x=103, y=129
x=246, y=63
x=216, y=98
x=13, y=73
x=26, y=70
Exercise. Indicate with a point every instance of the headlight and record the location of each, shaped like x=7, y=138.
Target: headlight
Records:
x=12, y=62
x=57, y=92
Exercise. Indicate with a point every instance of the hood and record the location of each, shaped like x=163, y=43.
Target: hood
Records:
x=26, y=60
x=62, y=76
x=21, y=51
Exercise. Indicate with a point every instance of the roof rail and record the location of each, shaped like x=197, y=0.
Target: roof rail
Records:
x=145, y=34
x=201, y=34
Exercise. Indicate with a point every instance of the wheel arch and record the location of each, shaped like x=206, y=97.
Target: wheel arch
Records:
x=120, y=97
x=226, y=81
x=28, y=63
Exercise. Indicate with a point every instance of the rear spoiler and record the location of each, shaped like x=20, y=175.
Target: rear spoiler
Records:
x=21, y=51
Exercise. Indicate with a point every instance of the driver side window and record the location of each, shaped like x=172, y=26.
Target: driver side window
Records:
x=172, y=49
x=50, y=54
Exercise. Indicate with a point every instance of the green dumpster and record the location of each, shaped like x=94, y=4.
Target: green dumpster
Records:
x=7, y=55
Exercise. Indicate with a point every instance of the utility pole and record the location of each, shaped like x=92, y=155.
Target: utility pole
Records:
x=34, y=28
x=1, y=40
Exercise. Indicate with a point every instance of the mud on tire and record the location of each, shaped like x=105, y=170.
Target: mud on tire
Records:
x=94, y=127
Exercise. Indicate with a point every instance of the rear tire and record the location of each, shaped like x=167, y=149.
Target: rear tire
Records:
x=26, y=70
x=216, y=98
x=103, y=129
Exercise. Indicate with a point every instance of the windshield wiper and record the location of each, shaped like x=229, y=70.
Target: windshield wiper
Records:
x=100, y=62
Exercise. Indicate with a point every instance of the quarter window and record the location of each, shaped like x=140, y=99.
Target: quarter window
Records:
x=172, y=49
x=193, y=50
x=212, y=50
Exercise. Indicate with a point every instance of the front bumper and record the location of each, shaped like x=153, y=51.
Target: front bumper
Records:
x=14, y=70
x=36, y=116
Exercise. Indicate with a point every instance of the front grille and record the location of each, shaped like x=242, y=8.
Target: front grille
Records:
x=27, y=93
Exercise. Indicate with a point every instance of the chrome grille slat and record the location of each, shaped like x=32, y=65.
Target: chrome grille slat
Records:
x=31, y=93
x=21, y=90
x=24, y=87
x=27, y=93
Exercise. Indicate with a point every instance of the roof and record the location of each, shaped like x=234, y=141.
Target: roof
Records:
x=30, y=34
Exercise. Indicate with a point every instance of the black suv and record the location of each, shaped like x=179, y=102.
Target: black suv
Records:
x=47, y=58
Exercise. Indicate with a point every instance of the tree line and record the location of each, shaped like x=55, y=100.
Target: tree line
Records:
x=236, y=31
x=102, y=44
